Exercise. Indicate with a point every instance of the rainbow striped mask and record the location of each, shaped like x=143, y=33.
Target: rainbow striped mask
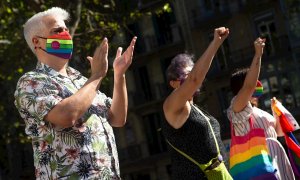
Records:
x=258, y=90
x=60, y=45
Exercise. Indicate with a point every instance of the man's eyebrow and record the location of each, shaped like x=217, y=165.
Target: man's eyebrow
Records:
x=56, y=29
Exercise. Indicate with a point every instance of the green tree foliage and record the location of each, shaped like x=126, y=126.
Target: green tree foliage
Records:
x=91, y=20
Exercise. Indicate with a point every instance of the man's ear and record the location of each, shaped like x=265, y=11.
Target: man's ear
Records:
x=35, y=41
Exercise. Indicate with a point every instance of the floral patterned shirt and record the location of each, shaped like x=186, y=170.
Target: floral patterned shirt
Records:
x=86, y=150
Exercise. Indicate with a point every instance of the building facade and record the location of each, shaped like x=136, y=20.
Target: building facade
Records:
x=189, y=28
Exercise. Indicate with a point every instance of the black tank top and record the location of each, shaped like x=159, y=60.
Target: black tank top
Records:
x=195, y=139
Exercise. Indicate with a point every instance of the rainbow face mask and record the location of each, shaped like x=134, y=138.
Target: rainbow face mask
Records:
x=258, y=90
x=60, y=45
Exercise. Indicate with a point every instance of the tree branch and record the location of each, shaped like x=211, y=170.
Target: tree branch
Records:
x=77, y=17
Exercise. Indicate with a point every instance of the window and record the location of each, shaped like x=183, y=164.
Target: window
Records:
x=164, y=65
x=162, y=25
x=144, y=90
x=295, y=81
x=145, y=83
x=137, y=176
x=207, y=4
x=155, y=139
x=266, y=28
x=129, y=133
x=292, y=18
x=215, y=5
x=282, y=87
x=220, y=63
x=287, y=91
x=224, y=96
x=222, y=56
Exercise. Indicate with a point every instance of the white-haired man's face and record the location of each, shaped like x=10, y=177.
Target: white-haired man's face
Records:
x=53, y=25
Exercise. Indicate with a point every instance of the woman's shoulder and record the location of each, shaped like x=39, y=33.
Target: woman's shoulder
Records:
x=262, y=114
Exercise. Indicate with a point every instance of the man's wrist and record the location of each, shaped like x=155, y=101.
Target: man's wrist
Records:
x=96, y=78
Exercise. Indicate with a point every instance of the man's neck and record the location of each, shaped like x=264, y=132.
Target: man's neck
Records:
x=58, y=64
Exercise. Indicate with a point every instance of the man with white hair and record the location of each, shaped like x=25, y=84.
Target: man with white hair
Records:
x=68, y=119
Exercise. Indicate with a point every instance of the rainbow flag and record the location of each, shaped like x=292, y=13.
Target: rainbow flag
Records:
x=288, y=125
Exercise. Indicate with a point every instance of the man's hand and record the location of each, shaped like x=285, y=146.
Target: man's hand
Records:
x=259, y=45
x=220, y=34
x=123, y=61
x=99, y=62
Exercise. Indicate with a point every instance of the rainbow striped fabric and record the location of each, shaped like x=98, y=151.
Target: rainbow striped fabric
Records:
x=249, y=156
x=258, y=89
x=60, y=45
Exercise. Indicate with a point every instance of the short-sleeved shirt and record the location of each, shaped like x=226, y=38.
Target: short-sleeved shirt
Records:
x=262, y=119
x=86, y=150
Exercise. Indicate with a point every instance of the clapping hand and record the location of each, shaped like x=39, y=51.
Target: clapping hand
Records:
x=99, y=62
x=123, y=61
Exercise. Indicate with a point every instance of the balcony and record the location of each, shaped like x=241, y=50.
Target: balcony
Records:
x=279, y=48
x=156, y=93
x=150, y=43
x=130, y=152
x=205, y=14
x=275, y=47
x=137, y=152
